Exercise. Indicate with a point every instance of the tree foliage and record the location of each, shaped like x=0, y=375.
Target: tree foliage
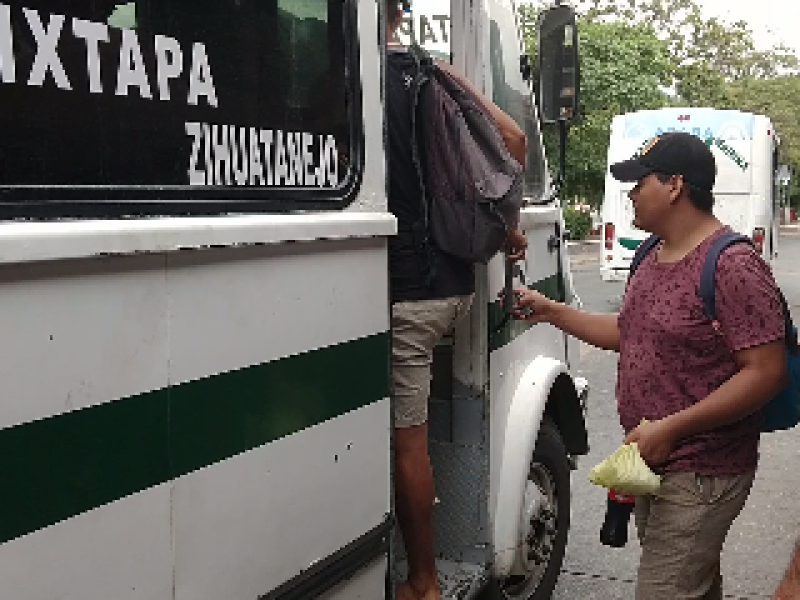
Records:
x=632, y=51
x=629, y=68
x=724, y=49
x=778, y=98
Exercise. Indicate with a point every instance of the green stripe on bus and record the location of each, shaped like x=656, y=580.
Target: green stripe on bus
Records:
x=629, y=243
x=62, y=466
x=554, y=287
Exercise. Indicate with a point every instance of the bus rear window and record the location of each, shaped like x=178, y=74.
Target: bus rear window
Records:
x=222, y=98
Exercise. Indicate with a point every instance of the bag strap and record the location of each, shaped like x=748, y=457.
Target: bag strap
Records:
x=708, y=286
x=643, y=250
x=422, y=75
x=792, y=345
x=707, y=290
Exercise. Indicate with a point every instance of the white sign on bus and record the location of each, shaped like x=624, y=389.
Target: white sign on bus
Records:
x=230, y=155
x=131, y=67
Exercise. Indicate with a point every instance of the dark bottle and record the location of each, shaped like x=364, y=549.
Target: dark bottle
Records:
x=615, y=526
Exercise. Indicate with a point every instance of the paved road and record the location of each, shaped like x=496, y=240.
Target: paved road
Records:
x=760, y=542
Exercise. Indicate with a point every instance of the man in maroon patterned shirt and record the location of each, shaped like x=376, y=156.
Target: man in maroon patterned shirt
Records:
x=701, y=387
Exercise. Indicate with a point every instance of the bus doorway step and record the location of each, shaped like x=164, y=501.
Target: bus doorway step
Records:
x=458, y=580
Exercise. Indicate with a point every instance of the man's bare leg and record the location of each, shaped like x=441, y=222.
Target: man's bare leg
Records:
x=789, y=588
x=414, y=495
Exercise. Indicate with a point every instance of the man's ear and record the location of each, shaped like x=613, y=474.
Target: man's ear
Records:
x=677, y=187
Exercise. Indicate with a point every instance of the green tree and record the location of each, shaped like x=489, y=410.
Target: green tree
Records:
x=706, y=61
x=708, y=52
x=624, y=67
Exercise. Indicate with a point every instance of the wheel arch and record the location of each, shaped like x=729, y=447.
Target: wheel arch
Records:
x=565, y=409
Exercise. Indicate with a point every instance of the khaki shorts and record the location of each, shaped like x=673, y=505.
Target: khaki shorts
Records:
x=681, y=530
x=416, y=329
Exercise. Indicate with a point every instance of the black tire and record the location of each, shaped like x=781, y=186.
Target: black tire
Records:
x=549, y=463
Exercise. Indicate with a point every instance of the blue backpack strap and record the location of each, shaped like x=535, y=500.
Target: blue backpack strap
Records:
x=643, y=250
x=783, y=410
x=708, y=286
x=791, y=330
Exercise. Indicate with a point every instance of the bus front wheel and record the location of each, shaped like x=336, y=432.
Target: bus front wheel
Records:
x=545, y=522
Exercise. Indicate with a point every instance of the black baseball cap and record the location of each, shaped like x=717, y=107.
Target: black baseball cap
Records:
x=673, y=153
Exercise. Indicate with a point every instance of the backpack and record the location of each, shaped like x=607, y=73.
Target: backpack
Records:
x=471, y=185
x=783, y=410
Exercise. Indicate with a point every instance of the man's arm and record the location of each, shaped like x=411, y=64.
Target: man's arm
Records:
x=600, y=330
x=750, y=318
x=513, y=137
x=762, y=374
x=789, y=588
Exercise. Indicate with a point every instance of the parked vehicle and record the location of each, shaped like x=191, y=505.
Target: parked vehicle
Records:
x=746, y=192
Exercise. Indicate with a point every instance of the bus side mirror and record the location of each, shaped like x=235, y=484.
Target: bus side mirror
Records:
x=559, y=71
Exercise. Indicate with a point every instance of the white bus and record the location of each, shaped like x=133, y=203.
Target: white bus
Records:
x=195, y=328
x=745, y=146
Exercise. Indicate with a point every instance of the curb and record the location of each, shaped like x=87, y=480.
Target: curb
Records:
x=586, y=242
x=583, y=260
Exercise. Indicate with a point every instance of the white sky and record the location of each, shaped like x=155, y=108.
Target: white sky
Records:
x=772, y=21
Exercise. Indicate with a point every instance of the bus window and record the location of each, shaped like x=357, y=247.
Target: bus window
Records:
x=430, y=29
x=512, y=94
x=176, y=100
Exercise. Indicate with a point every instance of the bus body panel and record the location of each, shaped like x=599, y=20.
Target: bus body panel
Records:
x=362, y=585
x=119, y=550
x=207, y=384
x=215, y=528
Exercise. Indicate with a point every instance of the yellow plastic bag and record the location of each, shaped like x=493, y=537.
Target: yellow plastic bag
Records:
x=626, y=472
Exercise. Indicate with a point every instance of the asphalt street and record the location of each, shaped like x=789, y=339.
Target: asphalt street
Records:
x=760, y=543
